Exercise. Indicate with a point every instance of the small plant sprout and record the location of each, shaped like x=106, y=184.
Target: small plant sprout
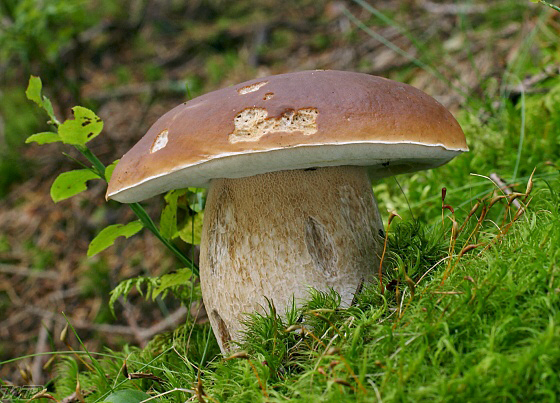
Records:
x=471, y=241
x=286, y=160
x=546, y=3
x=77, y=132
x=392, y=215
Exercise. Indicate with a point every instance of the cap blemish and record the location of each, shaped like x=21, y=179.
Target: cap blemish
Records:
x=160, y=141
x=253, y=123
x=268, y=95
x=251, y=88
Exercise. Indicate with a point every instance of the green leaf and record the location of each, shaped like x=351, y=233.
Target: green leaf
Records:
x=44, y=138
x=181, y=277
x=108, y=235
x=71, y=183
x=197, y=199
x=121, y=290
x=33, y=91
x=190, y=233
x=127, y=396
x=109, y=170
x=168, y=219
x=47, y=106
x=85, y=126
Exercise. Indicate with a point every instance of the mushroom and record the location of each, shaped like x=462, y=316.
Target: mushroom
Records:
x=288, y=161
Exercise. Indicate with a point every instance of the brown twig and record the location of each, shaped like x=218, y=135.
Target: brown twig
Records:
x=166, y=323
x=28, y=272
x=453, y=9
x=504, y=187
x=528, y=84
x=132, y=322
x=129, y=90
x=41, y=347
x=143, y=333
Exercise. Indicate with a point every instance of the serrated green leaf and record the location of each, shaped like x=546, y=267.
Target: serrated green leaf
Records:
x=43, y=138
x=68, y=184
x=85, y=126
x=127, y=396
x=33, y=91
x=180, y=277
x=108, y=235
x=121, y=290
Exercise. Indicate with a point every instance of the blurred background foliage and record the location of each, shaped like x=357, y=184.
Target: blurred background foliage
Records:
x=133, y=60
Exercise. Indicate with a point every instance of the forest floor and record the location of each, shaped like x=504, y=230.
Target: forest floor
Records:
x=133, y=62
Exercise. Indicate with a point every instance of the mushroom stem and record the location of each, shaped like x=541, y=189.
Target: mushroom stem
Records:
x=277, y=234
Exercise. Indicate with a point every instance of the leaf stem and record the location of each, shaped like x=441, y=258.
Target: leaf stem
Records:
x=140, y=212
x=546, y=3
x=91, y=157
x=149, y=224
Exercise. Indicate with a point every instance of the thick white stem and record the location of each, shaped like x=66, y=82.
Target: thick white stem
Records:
x=277, y=234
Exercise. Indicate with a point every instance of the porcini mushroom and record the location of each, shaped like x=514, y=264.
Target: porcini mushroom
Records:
x=288, y=161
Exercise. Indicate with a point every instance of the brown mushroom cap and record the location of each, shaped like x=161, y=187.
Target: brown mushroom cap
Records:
x=290, y=121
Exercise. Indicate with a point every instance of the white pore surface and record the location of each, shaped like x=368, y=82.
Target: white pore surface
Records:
x=381, y=158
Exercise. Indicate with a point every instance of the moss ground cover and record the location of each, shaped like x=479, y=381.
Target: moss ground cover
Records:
x=488, y=331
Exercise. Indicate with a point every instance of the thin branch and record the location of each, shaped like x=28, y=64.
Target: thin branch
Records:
x=170, y=321
x=527, y=86
x=41, y=347
x=143, y=333
x=504, y=187
x=172, y=87
x=28, y=272
x=453, y=9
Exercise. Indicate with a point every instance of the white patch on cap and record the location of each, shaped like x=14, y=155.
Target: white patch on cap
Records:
x=268, y=95
x=251, y=88
x=160, y=141
x=253, y=123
